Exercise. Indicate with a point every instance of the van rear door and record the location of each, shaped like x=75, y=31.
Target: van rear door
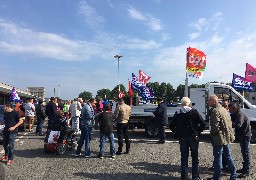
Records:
x=198, y=97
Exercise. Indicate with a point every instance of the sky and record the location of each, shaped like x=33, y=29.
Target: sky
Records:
x=70, y=45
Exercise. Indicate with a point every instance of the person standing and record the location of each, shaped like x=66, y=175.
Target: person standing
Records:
x=105, y=120
x=222, y=134
x=75, y=110
x=86, y=124
x=51, y=111
x=243, y=135
x=161, y=119
x=40, y=115
x=12, y=120
x=187, y=126
x=122, y=115
x=29, y=115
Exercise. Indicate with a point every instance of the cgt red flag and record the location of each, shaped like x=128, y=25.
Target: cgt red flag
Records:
x=130, y=88
x=250, y=73
x=121, y=94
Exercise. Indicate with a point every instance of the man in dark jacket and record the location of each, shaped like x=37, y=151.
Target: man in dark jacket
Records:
x=51, y=110
x=40, y=116
x=105, y=120
x=161, y=119
x=187, y=126
x=242, y=134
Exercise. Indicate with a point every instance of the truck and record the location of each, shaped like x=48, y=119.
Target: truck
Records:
x=251, y=97
x=142, y=116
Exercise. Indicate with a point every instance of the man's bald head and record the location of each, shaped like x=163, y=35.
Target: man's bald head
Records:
x=213, y=100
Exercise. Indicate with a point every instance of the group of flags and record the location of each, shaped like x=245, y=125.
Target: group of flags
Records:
x=245, y=83
x=139, y=84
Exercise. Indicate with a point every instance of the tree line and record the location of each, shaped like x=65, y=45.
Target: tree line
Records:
x=163, y=89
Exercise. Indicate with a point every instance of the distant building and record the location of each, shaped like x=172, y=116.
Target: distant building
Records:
x=5, y=92
x=38, y=92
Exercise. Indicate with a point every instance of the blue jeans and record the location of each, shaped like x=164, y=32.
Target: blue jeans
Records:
x=185, y=145
x=217, y=153
x=103, y=143
x=40, y=124
x=85, y=137
x=245, y=144
x=161, y=130
x=8, y=143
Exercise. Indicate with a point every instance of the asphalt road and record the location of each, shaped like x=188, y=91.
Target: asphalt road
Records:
x=147, y=160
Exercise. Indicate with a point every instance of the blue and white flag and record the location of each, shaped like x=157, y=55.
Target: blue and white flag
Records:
x=240, y=83
x=136, y=84
x=14, y=96
x=146, y=93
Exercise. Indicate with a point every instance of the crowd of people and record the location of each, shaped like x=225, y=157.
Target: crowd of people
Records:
x=186, y=125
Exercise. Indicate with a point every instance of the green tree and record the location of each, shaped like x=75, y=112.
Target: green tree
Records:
x=85, y=95
x=170, y=93
x=180, y=91
x=104, y=93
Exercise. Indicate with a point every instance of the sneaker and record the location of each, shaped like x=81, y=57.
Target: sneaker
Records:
x=113, y=157
x=4, y=158
x=77, y=155
x=160, y=142
x=101, y=157
x=86, y=156
x=239, y=171
x=9, y=162
x=243, y=175
x=118, y=153
x=127, y=152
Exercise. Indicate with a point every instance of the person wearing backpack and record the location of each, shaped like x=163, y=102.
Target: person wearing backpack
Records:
x=187, y=124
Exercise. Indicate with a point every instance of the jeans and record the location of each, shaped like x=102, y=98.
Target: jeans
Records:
x=85, y=137
x=39, y=127
x=245, y=144
x=75, y=123
x=185, y=145
x=217, y=153
x=161, y=130
x=103, y=143
x=122, y=132
x=8, y=143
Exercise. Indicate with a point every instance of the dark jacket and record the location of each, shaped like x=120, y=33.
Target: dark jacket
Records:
x=242, y=124
x=106, y=119
x=40, y=112
x=187, y=123
x=51, y=110
x=161, y=114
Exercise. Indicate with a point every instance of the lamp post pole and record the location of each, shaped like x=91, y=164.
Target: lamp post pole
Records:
x=59, y=91
x=118, y=57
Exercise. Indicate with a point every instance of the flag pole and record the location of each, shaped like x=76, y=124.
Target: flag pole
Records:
x=186, y=80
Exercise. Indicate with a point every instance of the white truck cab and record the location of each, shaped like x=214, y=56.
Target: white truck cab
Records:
x=199, y=97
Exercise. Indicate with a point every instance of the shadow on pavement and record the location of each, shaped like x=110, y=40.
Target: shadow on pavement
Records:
x=118, y=176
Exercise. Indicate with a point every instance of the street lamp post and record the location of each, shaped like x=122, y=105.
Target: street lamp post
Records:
x=118, y=57
x=59, y=91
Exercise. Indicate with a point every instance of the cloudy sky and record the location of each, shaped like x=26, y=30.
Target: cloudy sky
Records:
x=72, y=43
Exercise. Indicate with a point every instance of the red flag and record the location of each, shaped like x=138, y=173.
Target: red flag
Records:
x=130, y=88
x=196, y=60
x=143, y=77
x=250, y=73
x=121, y=94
